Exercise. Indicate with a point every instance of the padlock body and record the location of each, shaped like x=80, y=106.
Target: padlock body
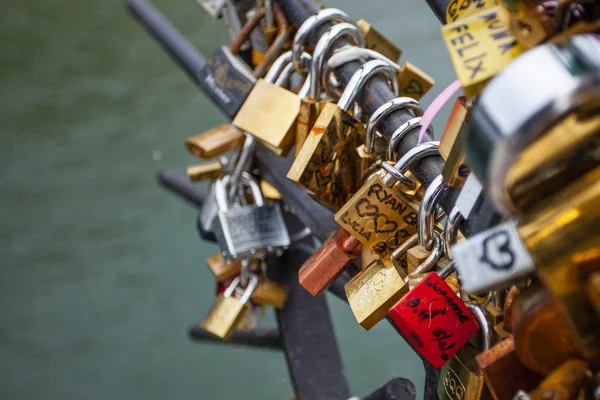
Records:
x=307, y=116
x=373, y=291
x=241, y=231
x=320, y=269
x=205, y=171
x=215, y=141
x=480, y=46
x=270, y=293
x=434, y=320
x=269, y=113
x=221, y=269
x=413, y=82
x=458, y=9
x=328, y=165
x=459, y=378
x=380, y=217
x=226, y=80
x=224, y=317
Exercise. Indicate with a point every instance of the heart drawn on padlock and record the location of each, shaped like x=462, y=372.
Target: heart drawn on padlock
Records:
x=322, y=181
x=383, y=224
x=364, y=208
x=413, y=87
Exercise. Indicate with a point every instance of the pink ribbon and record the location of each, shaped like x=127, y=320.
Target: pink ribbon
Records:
x=437, y=105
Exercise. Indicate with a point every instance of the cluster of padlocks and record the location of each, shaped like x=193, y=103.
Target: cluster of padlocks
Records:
x=525, y=136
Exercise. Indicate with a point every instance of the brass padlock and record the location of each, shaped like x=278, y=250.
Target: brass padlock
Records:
x=381, y=216
x=563, y=383
x=328, y=165
x=374, y=290
x=223, y=270
x=480, y=46
x=270, y=293
x=269, y=191
x=205, y=171
x=228, y=310
x=456, y=170
x=215, y=141
x=413, y=81
x=460, y=377
x=376, y=41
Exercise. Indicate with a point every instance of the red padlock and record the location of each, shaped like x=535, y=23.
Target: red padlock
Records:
x=434, y=319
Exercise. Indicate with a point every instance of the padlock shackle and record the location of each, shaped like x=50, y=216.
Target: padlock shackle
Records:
x=484, y=324
x=323, y=48
x=232, y=286
x=396, y=173
x=342, y=57
x=408, y=127
x=362, y=76
x=399, y=103
x=288, y=71
x=308, y=28
x=246, y=31
x=275, y=48
x=437, y=251
x=451, y=230
x=428, y=210
x=278, y=66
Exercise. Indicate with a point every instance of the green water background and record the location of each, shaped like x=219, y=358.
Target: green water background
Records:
x=102, y=271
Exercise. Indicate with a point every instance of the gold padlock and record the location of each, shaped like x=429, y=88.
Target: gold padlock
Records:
x=270, y=293
x=456, y=170
x=376, y=41
x=222, y=270
x=529, y=26
x=413, y=82
x=205, y=171
x=480, y=46
x=269, y=191
x=374, y=290
x=228, y=310
x=559, y=237
x=215, y=141
x=328, y=165
x=460, y=377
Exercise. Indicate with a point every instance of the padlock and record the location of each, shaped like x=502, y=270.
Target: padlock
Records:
x=307, y=29
x=480, y=46
x=215, y=141
x=232, y=15
x=413, y=81
x=205, y=171
x=529, y=25
x=503, y=371
x=248, y=231
x=223, y=270
x=434, y=320
x=382, y=217
x=271, y=293
x=495, y=307
x=492, y=259
x=377, y=42
x=460, y=377
x=328, y=261
x=374, y=290
x=563, y=383
x=228, y=310
x=428, y=262
x=328, y=165
x=539, y=325
x=368, y=152
x=562, y=238
x=458, y=9
x=456, y=170
x=269, y=191
x=512, y=145
x=207, y=215
x=270, y=112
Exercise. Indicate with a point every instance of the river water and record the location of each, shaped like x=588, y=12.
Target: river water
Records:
x=103, y=271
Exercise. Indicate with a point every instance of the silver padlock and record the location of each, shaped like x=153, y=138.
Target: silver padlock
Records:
x=248, y=231
x=492, y=259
